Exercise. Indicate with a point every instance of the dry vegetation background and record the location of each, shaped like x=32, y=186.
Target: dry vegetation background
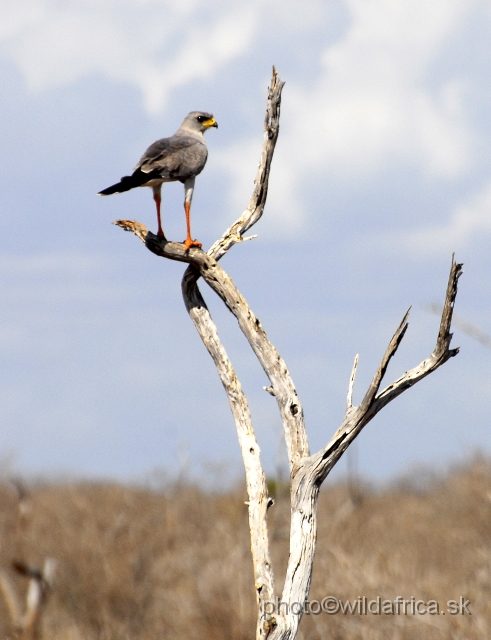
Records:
x=175, y=564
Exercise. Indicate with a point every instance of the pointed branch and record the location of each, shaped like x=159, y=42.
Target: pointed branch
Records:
x=272, y=363
x=205, y=265
x=441, y=353
x=358, y=417
x=444, y=335
x=313, y=471
x=282, y=387
x=349, y=399
x=258, y=499
x=389, y=353
x=256, y=204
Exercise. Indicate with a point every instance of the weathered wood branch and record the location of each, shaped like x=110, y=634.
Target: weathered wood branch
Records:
x=282, y=387
x=258, y=498
x=310, y=471
x=274, y=366
x=314, y=469
x=255, y=479
x=222, y=284
x=255, y=208
x=357, y=417
x=307, y=472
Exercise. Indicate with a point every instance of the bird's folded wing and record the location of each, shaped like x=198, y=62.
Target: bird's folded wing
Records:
x=172, y=157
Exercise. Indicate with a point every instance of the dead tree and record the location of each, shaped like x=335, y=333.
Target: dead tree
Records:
x=307, y=471
x=26, y=620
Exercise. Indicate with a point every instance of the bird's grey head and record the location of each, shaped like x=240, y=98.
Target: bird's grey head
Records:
x=199, y=121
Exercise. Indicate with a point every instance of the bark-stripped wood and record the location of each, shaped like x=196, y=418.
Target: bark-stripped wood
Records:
x=307, y=471
x=258, y=499
x=274, y=366
x=314, y=469
x=255, y=208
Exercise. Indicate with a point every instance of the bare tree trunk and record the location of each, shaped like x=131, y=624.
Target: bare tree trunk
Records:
x=307, y=472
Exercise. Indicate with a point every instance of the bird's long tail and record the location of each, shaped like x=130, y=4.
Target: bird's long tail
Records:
x=137, y=179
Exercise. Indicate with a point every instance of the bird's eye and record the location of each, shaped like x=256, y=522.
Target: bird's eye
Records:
x=201, y=118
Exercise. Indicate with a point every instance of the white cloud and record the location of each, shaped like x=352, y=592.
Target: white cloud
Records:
x=466, y=222
x=373, y=102
x=91, y=330
x=12, y=265
x=378, y=101
x=155, y=45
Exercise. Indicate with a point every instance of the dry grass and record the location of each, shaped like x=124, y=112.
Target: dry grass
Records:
x=145, y=565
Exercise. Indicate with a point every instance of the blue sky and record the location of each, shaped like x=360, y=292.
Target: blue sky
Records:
x=382, y=170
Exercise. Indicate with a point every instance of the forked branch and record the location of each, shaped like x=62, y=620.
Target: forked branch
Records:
x=201, y=263
x=314, y=469
x=357, y=417
x=282, y=386
x=307, y=472
x=258, y=499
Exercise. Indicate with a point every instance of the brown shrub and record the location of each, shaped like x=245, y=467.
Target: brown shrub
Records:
x=138, y=564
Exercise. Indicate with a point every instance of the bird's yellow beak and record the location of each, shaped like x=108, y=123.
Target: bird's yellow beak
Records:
x=211, y=122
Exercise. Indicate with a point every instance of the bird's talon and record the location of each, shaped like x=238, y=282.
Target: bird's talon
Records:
x=188, y=243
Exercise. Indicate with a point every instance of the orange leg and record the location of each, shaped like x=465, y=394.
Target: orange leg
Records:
x=157, y=198
x=189, y=242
